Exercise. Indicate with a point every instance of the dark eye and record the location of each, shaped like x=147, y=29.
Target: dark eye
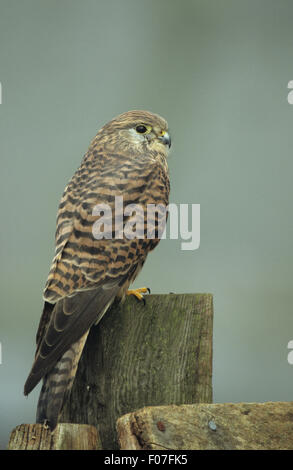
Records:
x=141, y=129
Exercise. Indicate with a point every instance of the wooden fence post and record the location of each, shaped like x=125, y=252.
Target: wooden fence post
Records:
x=157, y=354
x=208, y=426
x=149, y=368
x=66, y=436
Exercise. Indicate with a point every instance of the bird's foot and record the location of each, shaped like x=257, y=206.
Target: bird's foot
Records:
x=138, y=293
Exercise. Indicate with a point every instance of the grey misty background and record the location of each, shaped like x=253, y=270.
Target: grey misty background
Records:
x=218, y=72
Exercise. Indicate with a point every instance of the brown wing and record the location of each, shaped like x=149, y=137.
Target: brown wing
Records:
x=87, y=274
x=70, y=319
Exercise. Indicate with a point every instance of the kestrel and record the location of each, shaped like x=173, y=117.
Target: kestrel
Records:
x=126, y=158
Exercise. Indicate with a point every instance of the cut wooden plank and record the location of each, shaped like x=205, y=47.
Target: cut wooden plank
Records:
x=228, y=426
x=65, y=437
x=156, y=354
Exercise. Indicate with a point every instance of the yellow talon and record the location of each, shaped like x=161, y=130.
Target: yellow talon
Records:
x=138, y=292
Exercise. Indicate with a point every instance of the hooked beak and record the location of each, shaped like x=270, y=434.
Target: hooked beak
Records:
x=165, y=138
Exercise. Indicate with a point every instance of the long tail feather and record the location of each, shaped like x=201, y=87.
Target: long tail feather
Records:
x=57, y=383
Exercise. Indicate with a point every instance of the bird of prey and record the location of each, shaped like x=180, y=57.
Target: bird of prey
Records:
x=126, y=158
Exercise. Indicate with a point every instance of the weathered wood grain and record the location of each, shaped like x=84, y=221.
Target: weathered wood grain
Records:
x=156, y=354
x=227, y=426
x=65, y=437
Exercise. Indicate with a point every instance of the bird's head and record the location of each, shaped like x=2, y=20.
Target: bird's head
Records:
x=138, y=132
